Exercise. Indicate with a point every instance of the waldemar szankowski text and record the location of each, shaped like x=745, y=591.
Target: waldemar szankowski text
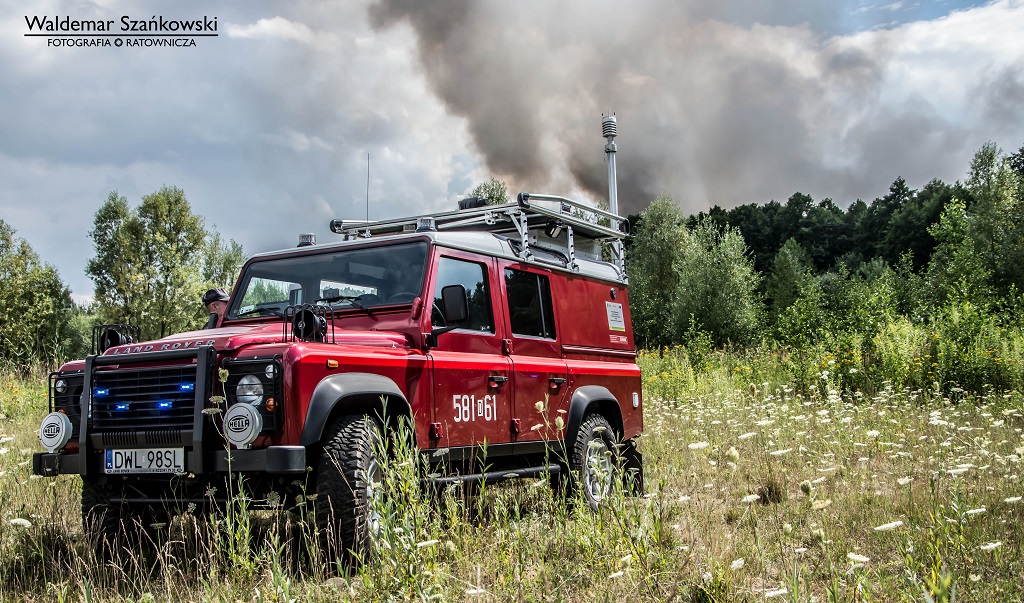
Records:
x=126, y=24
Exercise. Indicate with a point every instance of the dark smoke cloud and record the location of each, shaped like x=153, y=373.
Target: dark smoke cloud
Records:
x=718, y=103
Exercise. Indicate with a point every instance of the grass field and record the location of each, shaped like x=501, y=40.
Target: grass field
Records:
x=754, y=491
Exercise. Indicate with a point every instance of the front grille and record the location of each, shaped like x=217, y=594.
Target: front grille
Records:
x=144, y=398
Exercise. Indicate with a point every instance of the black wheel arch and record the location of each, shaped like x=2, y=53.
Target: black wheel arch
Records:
x=353, y=394
x=587, y=399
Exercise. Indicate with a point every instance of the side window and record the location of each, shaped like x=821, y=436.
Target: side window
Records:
x=473, y=277
x=529, y=304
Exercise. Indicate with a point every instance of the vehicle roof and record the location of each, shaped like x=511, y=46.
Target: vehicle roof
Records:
x=485, y=243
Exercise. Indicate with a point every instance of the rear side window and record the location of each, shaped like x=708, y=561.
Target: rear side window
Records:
x=473, y=277
x=529, y=304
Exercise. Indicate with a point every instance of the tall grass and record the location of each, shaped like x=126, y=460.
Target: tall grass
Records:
x=765, y=480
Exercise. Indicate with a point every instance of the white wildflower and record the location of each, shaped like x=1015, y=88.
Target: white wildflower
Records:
x=426, y=543
x=778, y=592
x=618, y=574
x=750, y=498
x=889, y=526
x=874, y=433
x=854, y=557
x=1012, y=499
x=18, y=521
x=746, y=436
x=781, y=452
x=697, y=445
x=738, y=564
x=978, y=511
x=991, y=546
x=903, y=481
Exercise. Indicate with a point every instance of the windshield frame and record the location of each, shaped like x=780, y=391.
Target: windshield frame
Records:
x=378, y=276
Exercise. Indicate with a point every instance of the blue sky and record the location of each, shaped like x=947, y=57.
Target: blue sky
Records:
x=267, y=126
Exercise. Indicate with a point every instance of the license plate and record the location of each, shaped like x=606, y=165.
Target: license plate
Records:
x=145, y=460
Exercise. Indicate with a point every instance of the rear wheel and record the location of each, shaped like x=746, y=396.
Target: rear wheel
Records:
x=593, y=466
x=347, y=486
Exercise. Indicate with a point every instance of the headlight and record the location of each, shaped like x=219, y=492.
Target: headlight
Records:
x=61, y=386
x=270, y=371
x=249, y=390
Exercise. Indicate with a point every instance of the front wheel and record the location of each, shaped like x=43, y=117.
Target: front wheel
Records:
x=111, y=525
x=347, y=486
x=593, y=465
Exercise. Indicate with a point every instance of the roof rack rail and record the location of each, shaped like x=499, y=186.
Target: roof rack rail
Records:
x=543, y=221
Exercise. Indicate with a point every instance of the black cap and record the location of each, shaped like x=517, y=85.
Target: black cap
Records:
x=214, y=295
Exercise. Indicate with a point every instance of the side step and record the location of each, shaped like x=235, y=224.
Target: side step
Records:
x=494, y=476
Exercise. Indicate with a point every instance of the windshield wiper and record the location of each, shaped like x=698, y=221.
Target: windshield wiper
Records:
x=352, y=299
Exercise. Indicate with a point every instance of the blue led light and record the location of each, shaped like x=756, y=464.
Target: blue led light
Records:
x=163, y=404
x=100, y=392
x=121, y=406
x=188, y=387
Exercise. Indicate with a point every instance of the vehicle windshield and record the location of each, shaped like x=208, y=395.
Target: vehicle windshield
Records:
x=357, y=278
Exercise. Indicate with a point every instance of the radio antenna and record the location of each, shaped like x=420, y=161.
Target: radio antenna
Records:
x=367, y=186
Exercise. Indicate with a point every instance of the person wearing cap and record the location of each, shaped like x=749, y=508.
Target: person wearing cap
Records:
x=216, y=302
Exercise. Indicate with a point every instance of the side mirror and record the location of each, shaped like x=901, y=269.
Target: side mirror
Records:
x=456, y=304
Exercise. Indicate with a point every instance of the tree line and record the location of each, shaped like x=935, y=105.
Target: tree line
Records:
x=152, y=263
x=947, y=259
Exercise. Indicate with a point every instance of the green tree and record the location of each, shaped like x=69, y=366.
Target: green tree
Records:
x=958, y=270
x=153, y=262
x=494, y=190
x=790, y=273
x=717, y=286
x=37, y=305
x=996, y=214
x=653, y=254
x=221, y=261
x=907, y=230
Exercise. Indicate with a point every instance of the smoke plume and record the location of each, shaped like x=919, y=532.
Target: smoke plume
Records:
x=714, y=106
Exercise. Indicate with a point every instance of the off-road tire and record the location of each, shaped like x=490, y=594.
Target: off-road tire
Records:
x=593, y=463
x=347, y=472
x=110, y=526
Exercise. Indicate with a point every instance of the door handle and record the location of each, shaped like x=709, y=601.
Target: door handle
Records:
x=496, y=381
x=555, y=382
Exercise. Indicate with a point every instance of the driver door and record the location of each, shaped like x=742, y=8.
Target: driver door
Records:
x=472, y=391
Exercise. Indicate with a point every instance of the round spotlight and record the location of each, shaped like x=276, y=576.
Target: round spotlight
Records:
x=55, y=431
x=249, y=390
x=242, y=425
x=61, y=386
x=270, y=371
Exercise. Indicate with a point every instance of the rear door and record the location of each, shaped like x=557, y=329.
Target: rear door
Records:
x=472, y=388
x=539, y=374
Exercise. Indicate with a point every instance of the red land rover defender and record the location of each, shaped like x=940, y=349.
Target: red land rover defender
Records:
x=476, y=325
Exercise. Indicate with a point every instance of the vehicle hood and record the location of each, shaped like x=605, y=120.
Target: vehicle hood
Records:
x=231, y=338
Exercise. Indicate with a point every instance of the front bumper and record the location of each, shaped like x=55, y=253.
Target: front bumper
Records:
x=274, y=460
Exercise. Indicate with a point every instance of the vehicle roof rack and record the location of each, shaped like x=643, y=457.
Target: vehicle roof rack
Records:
x=545, y=222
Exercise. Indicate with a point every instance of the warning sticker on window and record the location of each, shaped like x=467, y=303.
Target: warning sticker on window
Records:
x=616, y=321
